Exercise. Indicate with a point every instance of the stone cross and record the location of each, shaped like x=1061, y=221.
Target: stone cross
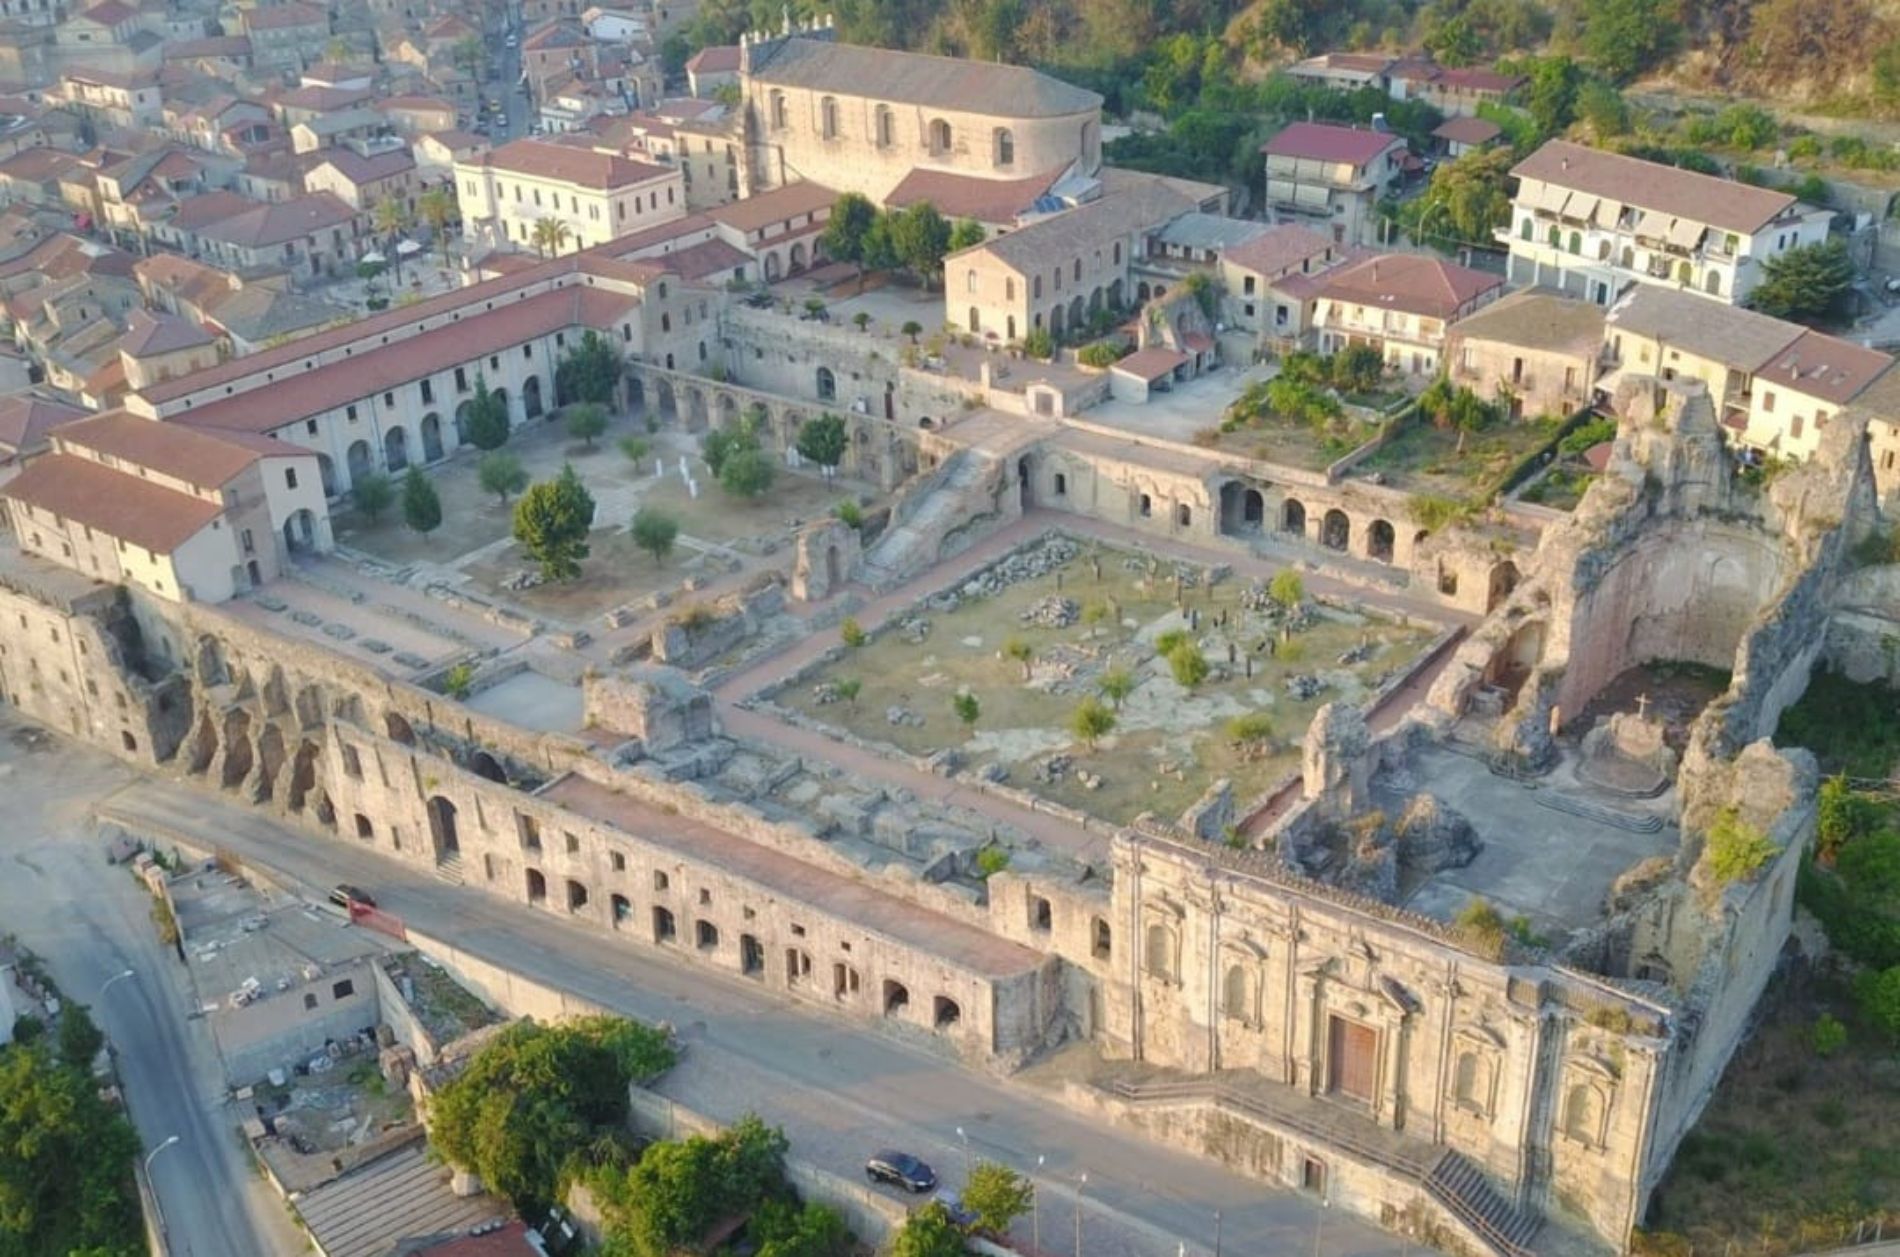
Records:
x=1642, y=706
x=659, y=468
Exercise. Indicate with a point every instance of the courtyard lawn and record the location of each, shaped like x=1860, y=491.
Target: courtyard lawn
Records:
x=1170, y=743
x=1291, y=443
x=1425, y=459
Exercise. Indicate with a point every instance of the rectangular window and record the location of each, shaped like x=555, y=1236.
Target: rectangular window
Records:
x=343, y=989
x=1767, y=403
x=290, y=477
x=428, y=393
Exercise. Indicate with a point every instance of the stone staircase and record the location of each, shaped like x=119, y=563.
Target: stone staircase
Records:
x=923, y=519
x=448, y=868
x=1462, y=1188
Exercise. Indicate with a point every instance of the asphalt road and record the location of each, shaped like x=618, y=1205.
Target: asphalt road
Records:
x=839, y=1091
x=505, y=63
x=90, y=922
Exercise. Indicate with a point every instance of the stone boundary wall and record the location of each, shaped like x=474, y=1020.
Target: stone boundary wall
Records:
x=503, y=988
x=401, y=1018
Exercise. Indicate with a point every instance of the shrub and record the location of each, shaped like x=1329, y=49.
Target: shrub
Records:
x=1287, y=589
x=1188, y=664
x=851, y=633
x=997, y=1195
x=1100, y=353
x=967, y=708
x=457, y=682
x=1039, y=344
x=1587, y=436
x=1091, y=721
x=1828, y=1035
x=849, y=513
x=1168, y=642
x=1878, y=992
x=654, y=531
x=991, y=860
x=747, y=473
x=1736, y=849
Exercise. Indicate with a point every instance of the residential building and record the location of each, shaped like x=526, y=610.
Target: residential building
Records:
x=861, y=119
x=595, y=195
x=286, y=36
x=1332, y=178
x=1591, y=223
x=158, y=347
x=182, y=514
x=1060, y=272
x=1270, y=282
x=1454, y=90
x=1402, y=304
x=307, y=235
x=1466, y=134
x=111, y=99
x=27, y=421
x=1536, y=351
x=712, y=68
x=363, y=181
x=1798, y=391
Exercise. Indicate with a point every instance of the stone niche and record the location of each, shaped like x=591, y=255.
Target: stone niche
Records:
x=657, y=706
x=827, y=554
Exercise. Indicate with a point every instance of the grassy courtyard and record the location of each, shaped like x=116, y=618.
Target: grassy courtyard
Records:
x=1170, y=741
x=1426, y=459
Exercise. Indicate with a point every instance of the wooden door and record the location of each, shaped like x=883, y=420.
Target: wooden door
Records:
x=1352, y=1059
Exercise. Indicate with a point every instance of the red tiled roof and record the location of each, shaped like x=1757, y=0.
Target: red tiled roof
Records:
x=1151, y=363
x=278, y=221
x=507, y=1241
x=172, y=449
x=336, y=384
x=568, y=163
x=116, y=503
x=26, y=420
x=963, y=196
x=148, y=334
x=717, y=59
x=776, y=206
x=1322, y=141
x=1410, y=282
x=210, y=207
x=1648, y=185
x=278, y=17
x=1468, y=131
x=1277, y=249
x=1823, y=366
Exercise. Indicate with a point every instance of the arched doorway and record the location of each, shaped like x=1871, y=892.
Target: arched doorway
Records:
x=531, y=397
x=398, y=728
x=442, y=836
x=359, y=461
x=482, y=764
x=1335, y=530
x=798, y=258
x=1293, y=517
x=1077, y=315
x=507, y=415
x=1115, y=294
x=696, y=410
x=395, y=449
x=832, y=572
x=300, y=532
x=326, y=472
x=1379, y=541
x=1141, y=292
x=431, y=437
x=827, y=385
x=1055, y=322
x=728, y=411
x=772, y=271
x=667, y=401
x=461, y=422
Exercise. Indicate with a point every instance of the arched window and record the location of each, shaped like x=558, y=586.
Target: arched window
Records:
x=1118, y=253
x=1158, y=956
x=1005, y=147
x=1684, y=273
x=778, y=111
x=1583, y=1114
x=1237, y=994
x=940, y=137
x=827, y=385
x=1713, y=283
x=1012, y=328
x=1555, y=236
x=1526, y=229
x=1629, y=258
x=1576, y=242
x=969, y=280
x=1471, y=1082
x=975, y=322
x=1009, y=288
x=886, y=127
x=828, y=117
x=1035, y=288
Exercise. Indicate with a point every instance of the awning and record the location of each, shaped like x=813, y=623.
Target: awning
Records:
x=1310, y=196
x=1581, y=206
x=407, y=247
x=1653, y=226
x=374, y=258
x=1550, y=198
x=1685, y=233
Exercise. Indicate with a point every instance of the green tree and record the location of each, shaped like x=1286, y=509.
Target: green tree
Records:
x=538, y=1094
x=501, y=474
x=1551, y=95
x=486, y=424
x=718, y=446
x=585, y=421
x=1622, y=38
x=966, y=233
x=1188, y=665
x=1603, y=109
x=997, y=1195
x=968, y=710
x=1116, y=685
x=823, y=441
x=782, y=1229
x=549, y=234
x=747, y=474
x=1039, y=344
x=65, y=1161
x=589, y=371
x=1454, y=42
x=920, y=236
x=1469, y=198
x=848, y=689
x=552, y=520
x=1091, y=722
x=654, y=531
x=373, y=494
x=421, y=505
x=849, y=513
x=848, y=229
x=1286, y=589
x=1886, y=72
x=913, y=329
x=1878, y=992
x=1019, y=649
x=438, y=208
x=929, y=1232
x=636, y=448
x=678, y=1189
x=1806, y=284
x=79, y=1039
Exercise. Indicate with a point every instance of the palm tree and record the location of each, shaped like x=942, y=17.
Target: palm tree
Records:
x=549, y=235
x=391, y=219
x=438, y=209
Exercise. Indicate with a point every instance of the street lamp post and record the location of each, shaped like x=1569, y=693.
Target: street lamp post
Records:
x=1035, y=1208
x=967, y=1166
x=117, y=977
x=158, y=1207
x=1319, y=1220
x=1081, y=1183
x=169, y=1141
x=1216, y=1233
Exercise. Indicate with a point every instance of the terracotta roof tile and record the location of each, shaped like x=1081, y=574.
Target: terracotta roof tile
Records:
x=1410, y=282
x=120, y=505
x=1826, y=367
x=1649, y=185
x=25, y=420
x=1322, y=141
x=979, y=87
x=171, y=449
x=569, y=163
x=1277, y=249
x=964, y=196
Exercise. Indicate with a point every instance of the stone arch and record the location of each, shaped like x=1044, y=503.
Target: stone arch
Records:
x=1335, y=530
x=696, y=409
x=303, y=776
x=508, y=415
x=773, y=271
x=636, y=395
x=1380, y=539
x=326, y=472
x=484, y=765
x=622, y=908
x=397, y=727
x=1142, y=291
x=796, y=262
x=1584, y=1108
x=238, y=757
x=442, y=834
x=945, y=1013
x=1158, y=951
x=941, y=137
x=1293, y=517
x=461, y=422
x=1096, y=300
x=204, y=745
x=270, y=758
x=1471, y=1081
x=896, y=997
x=827, y=383
x=432, y=450
x=1055, y=320
x=359, y=461
x=1077, y=314
x=666, y=401
x=300, y=531
x=577, y=894
x=1504, y=578
x=531, y=397
x=728, y=410
x=1115, y=291
x=535, y=882
x=1004, y=145
x=396, y=448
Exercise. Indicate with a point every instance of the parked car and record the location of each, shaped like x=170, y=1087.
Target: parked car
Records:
x=900, y=1169
x=344, y=894
x=953, y=1205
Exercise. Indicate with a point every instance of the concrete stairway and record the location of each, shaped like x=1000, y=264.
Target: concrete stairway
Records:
x=959, y=492
x=1459, y=1185
x=448, y=868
